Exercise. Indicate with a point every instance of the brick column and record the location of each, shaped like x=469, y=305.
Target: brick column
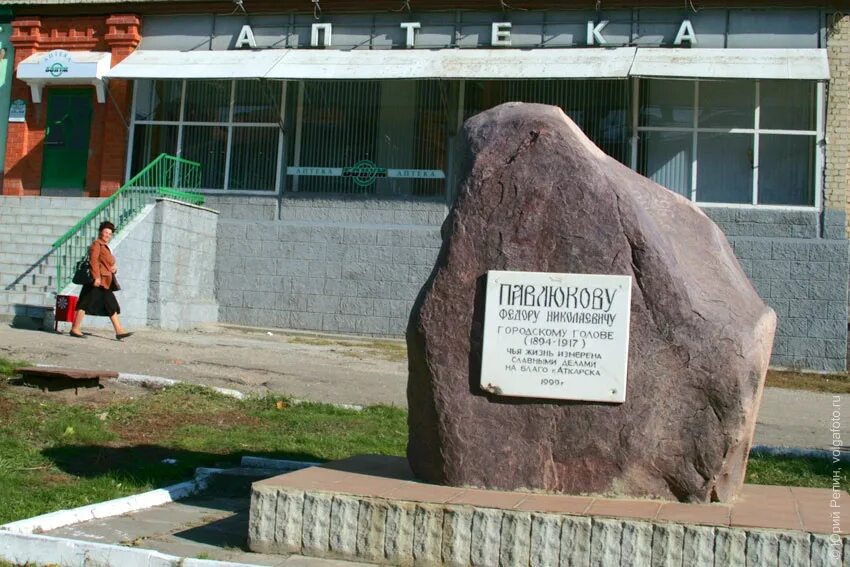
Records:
x=122, y=38
x=837, y=170
x=23, y=137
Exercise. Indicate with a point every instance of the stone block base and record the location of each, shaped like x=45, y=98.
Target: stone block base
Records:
x=371, y=509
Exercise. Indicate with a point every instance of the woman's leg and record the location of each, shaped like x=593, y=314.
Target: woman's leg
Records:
x=78, y=322
x=116, y=323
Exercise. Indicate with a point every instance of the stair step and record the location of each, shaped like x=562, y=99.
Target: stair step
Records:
x=7, y=240
x=29, y=219
x=33, y=276
x=9, y=201
x=28, y=299
x=21, y=258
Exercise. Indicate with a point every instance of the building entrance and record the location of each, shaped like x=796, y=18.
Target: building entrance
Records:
x=66, y=141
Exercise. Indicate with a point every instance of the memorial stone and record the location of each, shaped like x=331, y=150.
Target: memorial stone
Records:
x=682, y=361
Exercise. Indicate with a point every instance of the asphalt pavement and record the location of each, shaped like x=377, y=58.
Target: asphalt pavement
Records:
x=332, y=369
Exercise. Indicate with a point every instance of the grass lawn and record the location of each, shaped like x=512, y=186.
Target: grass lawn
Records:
x=58, y=450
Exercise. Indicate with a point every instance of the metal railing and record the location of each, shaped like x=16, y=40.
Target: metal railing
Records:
x=165, y=176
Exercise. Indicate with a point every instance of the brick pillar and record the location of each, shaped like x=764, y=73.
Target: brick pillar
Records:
x=837, y=170
x=122, y=37
x=23, y=165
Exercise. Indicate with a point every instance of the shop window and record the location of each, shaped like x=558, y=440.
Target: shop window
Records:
x=742, y=142
x=253, y=158
x=368, y=137
x=150, y=140
x=158, y=100
x=669, y=155
x=207, y=145
x=232, y=128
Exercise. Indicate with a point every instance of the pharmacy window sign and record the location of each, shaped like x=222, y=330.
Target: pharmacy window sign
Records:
x=365, y=172
x=57, y=63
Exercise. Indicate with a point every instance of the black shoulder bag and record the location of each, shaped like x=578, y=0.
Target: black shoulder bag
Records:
x=82, y=273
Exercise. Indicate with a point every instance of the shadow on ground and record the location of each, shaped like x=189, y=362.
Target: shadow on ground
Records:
x=148, y=464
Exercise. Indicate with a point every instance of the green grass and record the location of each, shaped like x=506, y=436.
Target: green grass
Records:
x=54, y=455
x=7, y=367
x=813, y=473
x=59, y=452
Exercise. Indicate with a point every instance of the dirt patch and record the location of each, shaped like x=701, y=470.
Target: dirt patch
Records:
x=111, y=393
x=826, y=383
x=153, y=427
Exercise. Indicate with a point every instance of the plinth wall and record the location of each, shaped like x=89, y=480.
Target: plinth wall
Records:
x=382, y=517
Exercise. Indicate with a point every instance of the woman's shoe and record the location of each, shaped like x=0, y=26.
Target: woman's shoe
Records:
x=76, y=335
x=119, y=336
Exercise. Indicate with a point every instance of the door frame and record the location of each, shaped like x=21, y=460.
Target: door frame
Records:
x=51, y=92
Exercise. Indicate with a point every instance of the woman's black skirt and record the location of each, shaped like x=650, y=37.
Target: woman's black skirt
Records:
x=98, y=301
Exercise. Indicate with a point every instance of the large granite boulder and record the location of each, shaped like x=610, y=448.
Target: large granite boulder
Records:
x=538, y=195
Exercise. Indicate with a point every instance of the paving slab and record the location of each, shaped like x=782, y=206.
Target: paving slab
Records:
x=203, y=527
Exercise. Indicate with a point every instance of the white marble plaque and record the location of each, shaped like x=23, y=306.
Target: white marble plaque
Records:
x=562, y=336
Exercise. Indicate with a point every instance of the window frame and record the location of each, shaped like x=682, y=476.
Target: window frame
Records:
x=181, y=123
x=756, y=132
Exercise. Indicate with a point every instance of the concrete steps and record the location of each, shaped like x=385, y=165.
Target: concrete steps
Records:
x=28, y=228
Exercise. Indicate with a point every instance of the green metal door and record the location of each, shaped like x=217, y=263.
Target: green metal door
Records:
x=66, y=141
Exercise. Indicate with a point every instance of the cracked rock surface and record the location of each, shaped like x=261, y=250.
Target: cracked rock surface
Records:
x=537, y=195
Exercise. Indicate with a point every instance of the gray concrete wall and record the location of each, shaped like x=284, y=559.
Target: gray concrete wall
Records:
x=352, y=265
x=183, y=260
x=332, y=265
x=801, y=275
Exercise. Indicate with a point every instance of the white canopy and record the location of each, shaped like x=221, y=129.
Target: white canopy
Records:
x=65, y=68
x=150, y=64
x=732, y=63
x=575, y=63
x=454, y=64
x=378, y=64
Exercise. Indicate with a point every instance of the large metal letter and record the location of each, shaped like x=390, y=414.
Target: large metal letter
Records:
x=686, y=33
x=246, y=37
x=594, y=35
x=501, y=34
x=314, y=35
x=411, y=28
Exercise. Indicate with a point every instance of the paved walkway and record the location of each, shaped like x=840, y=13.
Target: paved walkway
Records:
x=328, y=369
x=201, y=528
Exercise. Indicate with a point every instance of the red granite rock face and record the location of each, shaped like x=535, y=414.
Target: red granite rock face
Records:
x=537, y=195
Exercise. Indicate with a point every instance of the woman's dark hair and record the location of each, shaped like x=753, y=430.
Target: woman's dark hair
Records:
x=106, y=224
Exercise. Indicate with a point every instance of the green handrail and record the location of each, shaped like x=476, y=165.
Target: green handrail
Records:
x=166, y=176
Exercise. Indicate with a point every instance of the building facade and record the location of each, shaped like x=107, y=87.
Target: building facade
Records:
x=327, y=136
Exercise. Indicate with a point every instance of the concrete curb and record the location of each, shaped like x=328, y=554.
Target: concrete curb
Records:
x=31, y=549
x=117, y=507
x=21, y=545
x=146, y=381
x=158, y=497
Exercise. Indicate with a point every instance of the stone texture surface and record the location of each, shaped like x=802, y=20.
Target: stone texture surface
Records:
x=538, y=196
x=423, y=533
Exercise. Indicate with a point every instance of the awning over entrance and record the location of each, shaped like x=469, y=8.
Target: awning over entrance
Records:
x=60, y=67
x=575, y=63
x=809, y=64
x=150, y=64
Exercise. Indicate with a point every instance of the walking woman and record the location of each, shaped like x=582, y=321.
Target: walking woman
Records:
x=97, y=299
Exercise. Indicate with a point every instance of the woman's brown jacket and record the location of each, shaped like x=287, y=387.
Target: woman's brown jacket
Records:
x=102, y=261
